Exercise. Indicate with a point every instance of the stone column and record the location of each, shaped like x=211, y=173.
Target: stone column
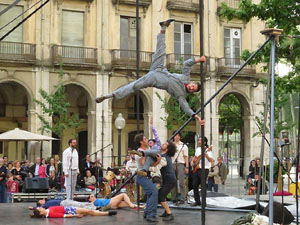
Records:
x=91, y=132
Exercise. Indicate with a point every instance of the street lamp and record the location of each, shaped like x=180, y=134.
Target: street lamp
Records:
x=119, y=124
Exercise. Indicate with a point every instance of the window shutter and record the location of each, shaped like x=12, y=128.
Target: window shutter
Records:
x=72, y=28
x=17, y=34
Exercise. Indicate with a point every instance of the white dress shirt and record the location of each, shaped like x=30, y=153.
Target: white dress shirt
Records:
x=70, y=160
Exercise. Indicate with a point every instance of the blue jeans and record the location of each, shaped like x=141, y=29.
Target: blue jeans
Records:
x=211, y=185
x=152, y=196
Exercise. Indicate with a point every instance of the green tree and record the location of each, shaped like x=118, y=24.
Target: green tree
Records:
x=56, y=106
x=282, y=15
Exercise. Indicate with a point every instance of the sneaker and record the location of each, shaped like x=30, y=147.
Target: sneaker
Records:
x=164, y=214
x=142, y=173
x=100, y=99
x=166, y=23
x=195, y=204
x=169, y=217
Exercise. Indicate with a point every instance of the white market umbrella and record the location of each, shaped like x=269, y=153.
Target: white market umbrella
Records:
x=23, y=135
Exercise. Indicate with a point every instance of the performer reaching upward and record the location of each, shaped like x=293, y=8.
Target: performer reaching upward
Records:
x=176, y=85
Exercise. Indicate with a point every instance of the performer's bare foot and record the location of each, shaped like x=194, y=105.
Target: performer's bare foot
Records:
x=166, y=23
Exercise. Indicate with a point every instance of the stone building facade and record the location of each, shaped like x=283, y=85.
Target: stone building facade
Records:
x=95, y=42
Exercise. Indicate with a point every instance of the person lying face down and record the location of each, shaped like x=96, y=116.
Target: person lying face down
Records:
x=67, y=212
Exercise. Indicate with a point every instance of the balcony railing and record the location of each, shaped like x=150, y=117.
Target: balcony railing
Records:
x=175, y=62
x=126, y=59
x=16, y=51
x=185, y=5
x=230, y=65
x=76, y=56
x=133, y=2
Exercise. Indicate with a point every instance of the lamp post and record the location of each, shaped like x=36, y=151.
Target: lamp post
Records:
x=119, y=124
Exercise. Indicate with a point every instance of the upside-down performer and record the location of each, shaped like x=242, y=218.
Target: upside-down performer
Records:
x=175, y=84
x=67, y=212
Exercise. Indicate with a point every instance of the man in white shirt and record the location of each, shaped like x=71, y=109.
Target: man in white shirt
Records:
x=70, y=167
x=131, y=165
x=197, y=174
x=180, y=168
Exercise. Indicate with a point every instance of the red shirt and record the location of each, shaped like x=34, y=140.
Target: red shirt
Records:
x=56, y=212
x=12, y=186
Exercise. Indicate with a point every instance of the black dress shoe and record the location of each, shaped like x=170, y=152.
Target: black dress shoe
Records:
x=166, y=23
x=196, y=204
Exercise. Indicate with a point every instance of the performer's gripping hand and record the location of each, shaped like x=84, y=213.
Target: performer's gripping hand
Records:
x=200, y=59
x=202, y=122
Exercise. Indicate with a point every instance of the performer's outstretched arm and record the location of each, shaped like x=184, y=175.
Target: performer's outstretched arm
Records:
x=187, y=65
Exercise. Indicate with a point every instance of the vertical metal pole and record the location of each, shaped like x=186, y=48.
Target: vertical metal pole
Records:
x=203, y=180
x=137, y=64
x=137, y=77
x=262, y=150
x=119, y=147
x=297, y=160
x=272, y=131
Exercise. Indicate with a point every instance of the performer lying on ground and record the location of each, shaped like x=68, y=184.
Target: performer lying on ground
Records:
x=176, y=85
x=50, y=203
x=68, y=212
x=119, y=201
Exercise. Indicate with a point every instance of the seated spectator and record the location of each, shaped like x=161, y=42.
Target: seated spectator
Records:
x=53, y=181
x=89, y=180
x=252, y=169
x=18, y=174
x=50, y=167
x=10, y=167
x=42, y=168
x=12, y=187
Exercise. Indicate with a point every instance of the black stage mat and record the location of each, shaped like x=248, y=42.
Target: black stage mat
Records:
x=18, y=214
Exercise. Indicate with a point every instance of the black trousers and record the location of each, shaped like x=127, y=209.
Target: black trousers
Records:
x=197, y=182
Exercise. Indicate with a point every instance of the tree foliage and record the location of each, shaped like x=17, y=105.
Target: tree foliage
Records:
x=282, y=15
x=56, y=106
x=230, y=113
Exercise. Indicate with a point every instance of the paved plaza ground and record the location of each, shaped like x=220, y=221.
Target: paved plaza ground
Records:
x=17, y=214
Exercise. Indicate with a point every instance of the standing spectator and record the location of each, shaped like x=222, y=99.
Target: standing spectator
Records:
x=12, y=187
x=181, y=167
x=70, y=167
x=131, y=165
x=34, y=169
x=197, y=175
x=18, y=174
x=5, y=161
x=127, y=158
x=98, y=171
x=58, y=166
x=213, y=177
x=3, y=174
x=53, y=181
x=50, y=167
x=42, y=168
x=223, y=171
x=26, y=167
x=89, y=180
x=87, y=165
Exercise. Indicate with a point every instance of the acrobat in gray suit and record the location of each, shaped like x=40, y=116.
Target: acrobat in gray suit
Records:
x=158, y=76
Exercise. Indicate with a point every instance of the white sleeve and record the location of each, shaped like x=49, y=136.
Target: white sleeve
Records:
x=65, y=162
x=185, y=150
